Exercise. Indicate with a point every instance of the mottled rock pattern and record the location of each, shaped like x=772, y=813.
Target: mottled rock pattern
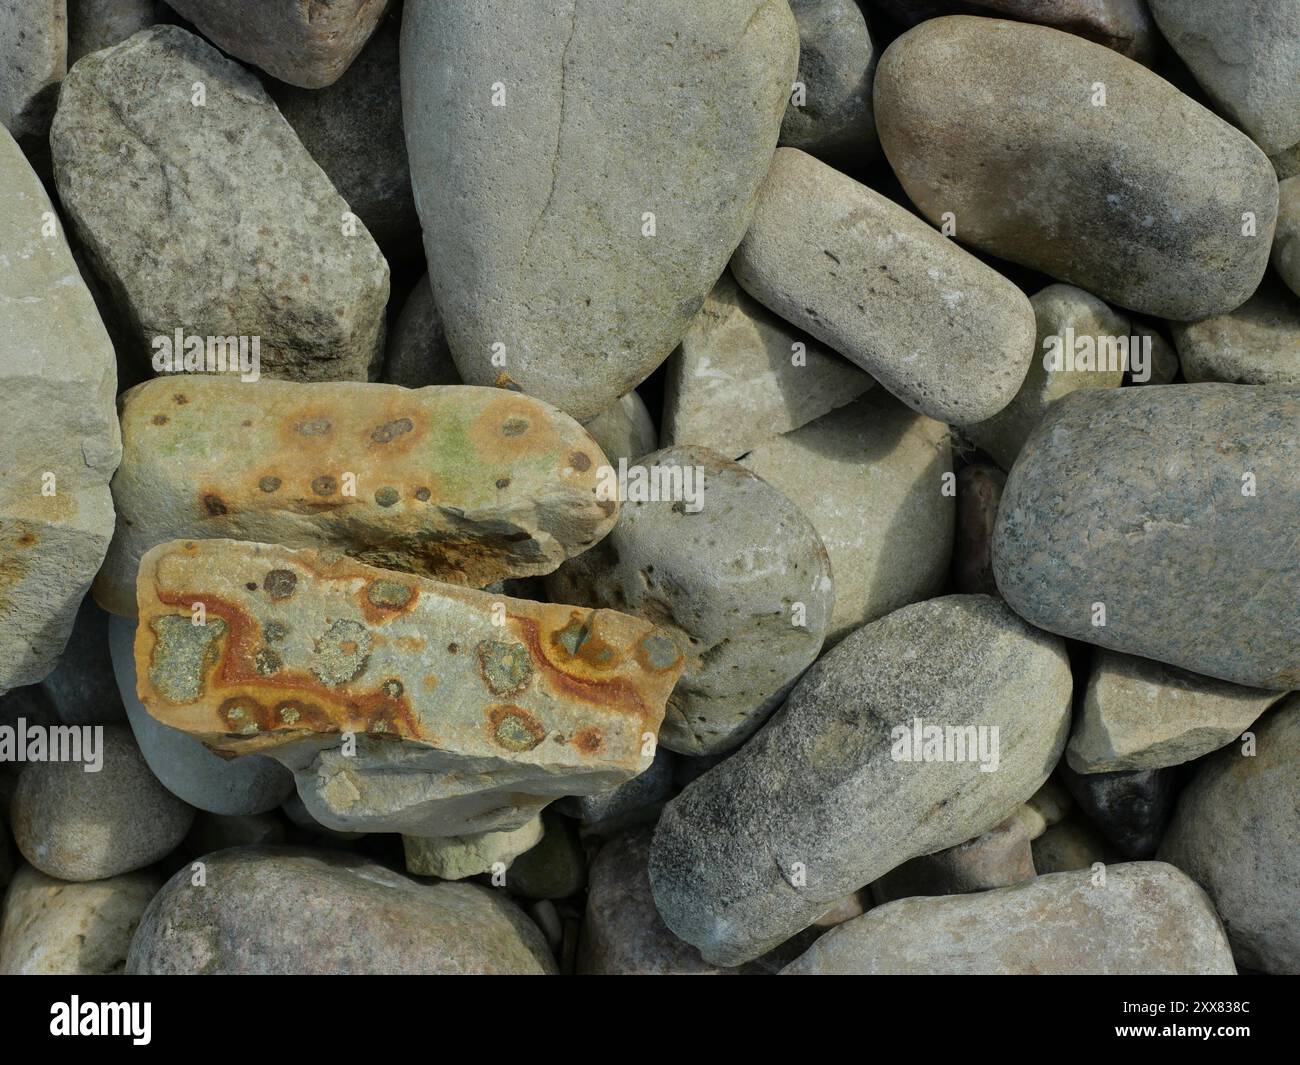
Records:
x=1236, y=832
x=417, y=345
x=310, y=45
x=78, y=825
x=1029, y=163
x=1257, y=344
x=1090, y=322
x=57, y=380
x=942, y=331
x=499, y=704
x=467, y=485
x=1130, y=808
x=269, y=910
x=535, y=210
x=1139, y=714
x=743, y=376
x=1135, y=498
x=458, y=857
x=624, y=430
x=186, y=768
x=33, y=59
x=837, y=63
x=870, y=477
x=54, y=928
x=816, y=804
x=1286, y=242
x=314, y=296
x=742, y=582
x=1146, y=919
x=997, y=858
x=979, y=490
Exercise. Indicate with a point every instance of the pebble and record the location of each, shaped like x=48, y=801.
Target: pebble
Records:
x=556, y=868
x=624, y=430
x=936, y=327
x=870, y=477
x=458, y=857
x=816, y=804
x=619, y=190
x=998, y=858
x=1145, y=919
x=1159, y=522
x=1030, y=163
x=82, y=688
x=1257, y=344
x=1236, y=833
x=293, y=911
x=1139, y=714
x=736, y=574
x=1286, y=241
x=468, y=485
x=1071, y=844
x=315, y=303
x=79, y=825
x=417, y=344
x=742, y=377
x=1130, y=808
x=55, y=928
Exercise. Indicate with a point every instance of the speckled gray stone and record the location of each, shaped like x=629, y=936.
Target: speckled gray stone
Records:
x=1139, y=714
x=1130, y=808
x=624, y=430
x=1236, y=831
x=837, y=62
x=1257, y=344
x=33, y=59
x=293, y=911
x=945, y=333
x=534, y=211
x=1052, y=371
x=1286, y=241
x=870, y=477
x=1133, y=498
x=250, y=785
x=56, y=928
x=816, y=804
x=1139, y=201
x=1146, y=919
x=742, y=376
x=726, y=582
x=1246, y=56
x=76, y=825
x=314, y=294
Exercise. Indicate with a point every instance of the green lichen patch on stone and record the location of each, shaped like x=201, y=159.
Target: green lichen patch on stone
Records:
x=342, y=652
x=183, y=653
x=507, y=668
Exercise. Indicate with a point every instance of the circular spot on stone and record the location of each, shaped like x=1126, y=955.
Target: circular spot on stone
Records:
x=181, y=399
x=267, y=662
x=503, y=482
x=280, y=583
x=251, y=586
x=342, y=652
x=580, y=461
x=514, y=728
x=389, y=595
x=324, y=485
x=514, y=427
x=393, y=688
x=160, y=419
x=660, y=651
x=275, y=631
x=269, y=484
x=422, y=494
x=454, y=648
x=386, y=497
x=389, y=431
x=314, y=427
x=506, y=668
x=215, y=505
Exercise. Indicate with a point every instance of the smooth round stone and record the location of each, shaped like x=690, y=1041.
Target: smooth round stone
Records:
x=76, y=825
x=829, y=796
x=296, y=911
x=870, y=477
x=1130, y=808
x=624, y=430
x=54, y=928
x=1147, y=918
x=1257, y=344
x=946, y=334
x=1168, y=514
x=1072, y=844
x=1139, y=201
x=583, y=173
x=417, y=345
x=1247, y=58
x=979, y=490
x=458, y=857
x=743, y=584
x=252, y=784
x=1139, y=714
x=556, y=868
x=837, y=63
x=1286, y=241
x=1236, y=832
x=1075, y=349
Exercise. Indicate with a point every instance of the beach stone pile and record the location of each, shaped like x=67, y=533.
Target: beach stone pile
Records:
x=737, y=487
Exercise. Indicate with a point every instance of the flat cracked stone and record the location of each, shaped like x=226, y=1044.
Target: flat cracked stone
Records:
x=467, y=485
x=469, y=710
x=1140, y=201
x=1168, y=514
x=822, y=800
x=59, y=437
x=547, y=140
x=210, y=184
x=946, y=334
